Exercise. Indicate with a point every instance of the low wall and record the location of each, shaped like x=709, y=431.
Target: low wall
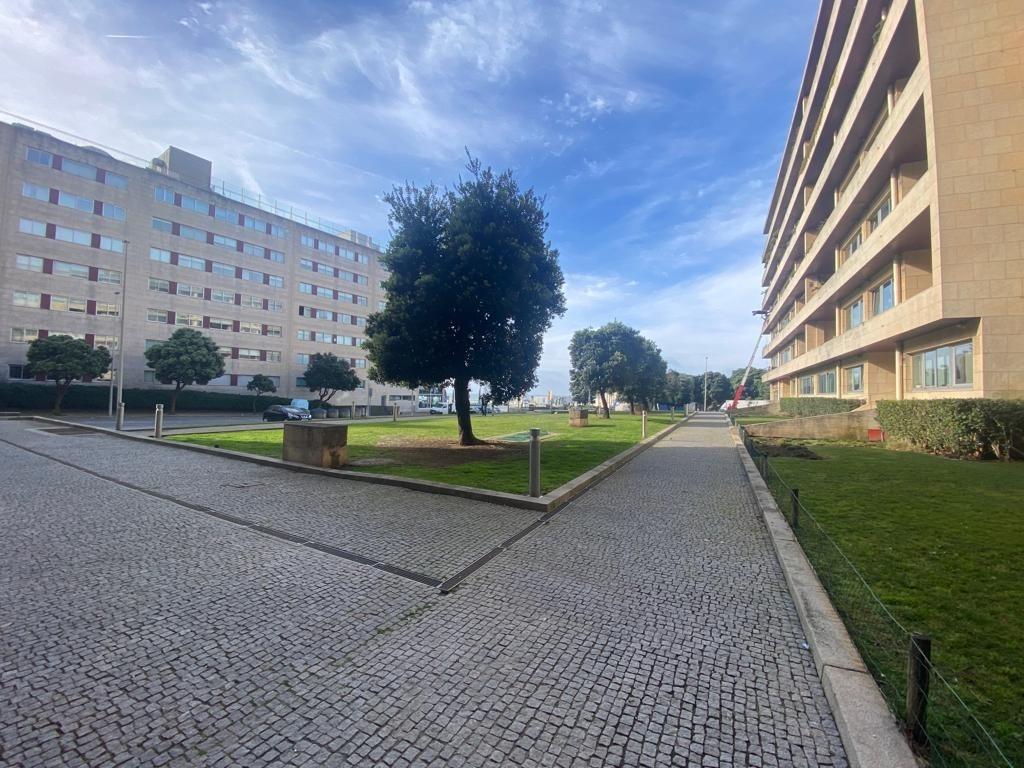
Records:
x=831, y=426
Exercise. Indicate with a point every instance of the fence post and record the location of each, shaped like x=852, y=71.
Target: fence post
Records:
x=918, y=677
x=643, y=428
x=119, y=424
x=794, y=503
x=158, y=422
x=535, y=462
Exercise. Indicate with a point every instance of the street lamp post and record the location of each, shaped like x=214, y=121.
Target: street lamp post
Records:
x=121, y=340
x=110, y=394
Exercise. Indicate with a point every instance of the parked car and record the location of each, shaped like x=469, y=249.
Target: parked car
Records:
x=299, y=405
x=438, y=411
x=285, y=413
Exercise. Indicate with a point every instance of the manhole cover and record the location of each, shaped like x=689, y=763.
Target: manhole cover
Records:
x=65, y=431
x=522, y=437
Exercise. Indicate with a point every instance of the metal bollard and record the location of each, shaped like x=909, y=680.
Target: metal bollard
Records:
x=643, y=428
x=919, y=664
x=794, y=504
x=158, y=422
x=119, y=424
x=394, y=412
x=535, y=462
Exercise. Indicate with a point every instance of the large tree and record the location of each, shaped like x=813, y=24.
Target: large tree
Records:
x=598, y=364
x=678, y=388
x=65, y=360
x=646, y=380
x=259, y=384
x=328, y=374
x=756, y=388
x=186, y=358
x=474, y=285
x=719, y=389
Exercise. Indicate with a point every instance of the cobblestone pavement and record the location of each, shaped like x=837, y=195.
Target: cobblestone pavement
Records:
x=647, y=624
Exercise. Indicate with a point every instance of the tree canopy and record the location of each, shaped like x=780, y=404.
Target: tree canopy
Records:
x=719, y=389
x=756, y=388
x=615, y=358
x=678, y=388
x=259, y=384
x=474, y=285
x=186, y=358
x=64, y=360
x=328, y=374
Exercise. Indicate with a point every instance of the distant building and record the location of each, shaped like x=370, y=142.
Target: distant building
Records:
x=270, y=285
x=895, y=255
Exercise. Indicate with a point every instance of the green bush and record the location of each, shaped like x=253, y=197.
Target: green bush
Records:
x=964, y=428
x=817, y=406
x=93, y=397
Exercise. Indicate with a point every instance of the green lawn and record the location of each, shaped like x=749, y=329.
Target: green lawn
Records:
x=425, y=447
x=942, y=544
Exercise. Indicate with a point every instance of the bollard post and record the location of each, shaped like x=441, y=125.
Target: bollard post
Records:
x=119, y=424
x=643, y=428
x=394, y=412
x=535, y=462
x=672, y=413
x=918, y=677
x=158, y=422
x=794, y=503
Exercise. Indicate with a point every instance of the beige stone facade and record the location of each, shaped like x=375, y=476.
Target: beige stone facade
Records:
x=270, y=289
x=894, y=266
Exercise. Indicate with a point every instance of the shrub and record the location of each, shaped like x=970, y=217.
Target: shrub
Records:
x=817, y=406
x=959, y=428
x=38, y=397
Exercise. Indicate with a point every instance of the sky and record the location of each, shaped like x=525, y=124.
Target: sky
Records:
x=653, y=129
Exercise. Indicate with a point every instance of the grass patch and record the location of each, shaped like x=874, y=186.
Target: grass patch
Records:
x=426, y=448
x=940, y=542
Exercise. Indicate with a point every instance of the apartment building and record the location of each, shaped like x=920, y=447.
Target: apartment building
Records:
x=895, y=255
x=85, y=235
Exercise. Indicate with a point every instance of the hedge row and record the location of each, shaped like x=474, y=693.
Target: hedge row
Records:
x=957, y=428
x=817, y=406
x=40, y=397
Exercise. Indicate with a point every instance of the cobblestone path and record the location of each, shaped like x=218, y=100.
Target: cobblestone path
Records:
x=647, y=624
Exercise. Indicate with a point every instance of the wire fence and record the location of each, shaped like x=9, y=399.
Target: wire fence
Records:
x=939, y=723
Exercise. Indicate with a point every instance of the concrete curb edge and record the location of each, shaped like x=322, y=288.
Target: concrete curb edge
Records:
x=549, y=502
x=870, y=733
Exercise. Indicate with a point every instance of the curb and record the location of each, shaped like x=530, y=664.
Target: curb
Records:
x=870, y=733
x=545, y=504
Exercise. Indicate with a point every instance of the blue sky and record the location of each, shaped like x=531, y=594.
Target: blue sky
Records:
x=653, y=128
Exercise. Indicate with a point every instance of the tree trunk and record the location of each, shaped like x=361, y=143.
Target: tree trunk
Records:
x=174, y=398
x=466, y=436
x=62, y=389
x=604, y=404
x=632, y=408
x=254, y=399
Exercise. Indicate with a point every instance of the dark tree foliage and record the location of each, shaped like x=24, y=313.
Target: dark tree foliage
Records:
x=328, y=374
x=64, y=360
x=615, y=358
x=646, y=380
x=678, y=388
x=186, y=358
x=259, y=384
x=756, y=389
x=473, y=287
x=719, y=389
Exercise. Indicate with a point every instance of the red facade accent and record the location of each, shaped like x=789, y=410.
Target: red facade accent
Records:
x=47, y=266
x=234, y=379
x=51, y=231
x=95, y=240
x=206, y=321
x=43, y=333
x=209, y=238
x=177, y=199
x=171, y=317
x=238, y=273
x=90, y=339
x=58, y=162
x=263, y=355
x=101, y=176
x=172, y=286
x=206, y=293
x=94, y=274
x=238, y=299
x=90, y=309
x=44, y=301
x=54, y=195
x=97, y=207
x=174, y=258
x=266, y=303
x=236, y=326
x=175, y=228
x=234, y=353
x=264, y=329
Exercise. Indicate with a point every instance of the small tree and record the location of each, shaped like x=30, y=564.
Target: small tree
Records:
x=186, y=358
x=602, y=360
x=63, y=360
x=258, y=385
x=328, y=374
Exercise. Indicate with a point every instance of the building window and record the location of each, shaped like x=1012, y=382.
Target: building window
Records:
x=252, y=328
x=855, y=379
x=162, y=225
x=27, y=299
x=251, y=249
x=225, y=214
x=276, y=256
x=226, y=242
x=827, y=383
x=163, y=195
x=274, y=331
x=883, y=297
x=24, y=335
x=76, y=236
x=273, y=357
x=275, y=306
x=304, y=335
x=252, y=275
x=111, y=244
x=221, y=324
x=359, y=363
x=879, y=213
x=156, y=315
x=39, y=157
x=278, y=231
x=111, y=211
x=305, y=288
x=199, y=235
x=300, y=381
x=110, y=342
x=59, y=303
x=191, y=321
x=306, y=264
x=68, y=200
x=190, y=291
x=149, y=377
x=302, y=358
x=29, y=263
x=224, y=297
x=252, y=302
x=19, y=372
x=109, y=276
x=78, y=305
x=307, y=240
x=116, y=180
x=35, y=192
x=851, y=246
x=854, y=313
x=32, y=227
x=106, y=309
x=76, y=168
x=949, y=366
x=191, y=262
x=248, y=354
x=159, y=254
x=67, y=269
x=224, y=270
x=275, y=281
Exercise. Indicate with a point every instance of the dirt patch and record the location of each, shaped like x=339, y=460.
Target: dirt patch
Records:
x=787, y=450
x=439, y=452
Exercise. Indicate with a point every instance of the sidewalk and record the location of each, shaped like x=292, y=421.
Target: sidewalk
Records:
x=648, y=623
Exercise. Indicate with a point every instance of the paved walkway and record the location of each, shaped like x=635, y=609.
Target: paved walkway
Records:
x=647, y=624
